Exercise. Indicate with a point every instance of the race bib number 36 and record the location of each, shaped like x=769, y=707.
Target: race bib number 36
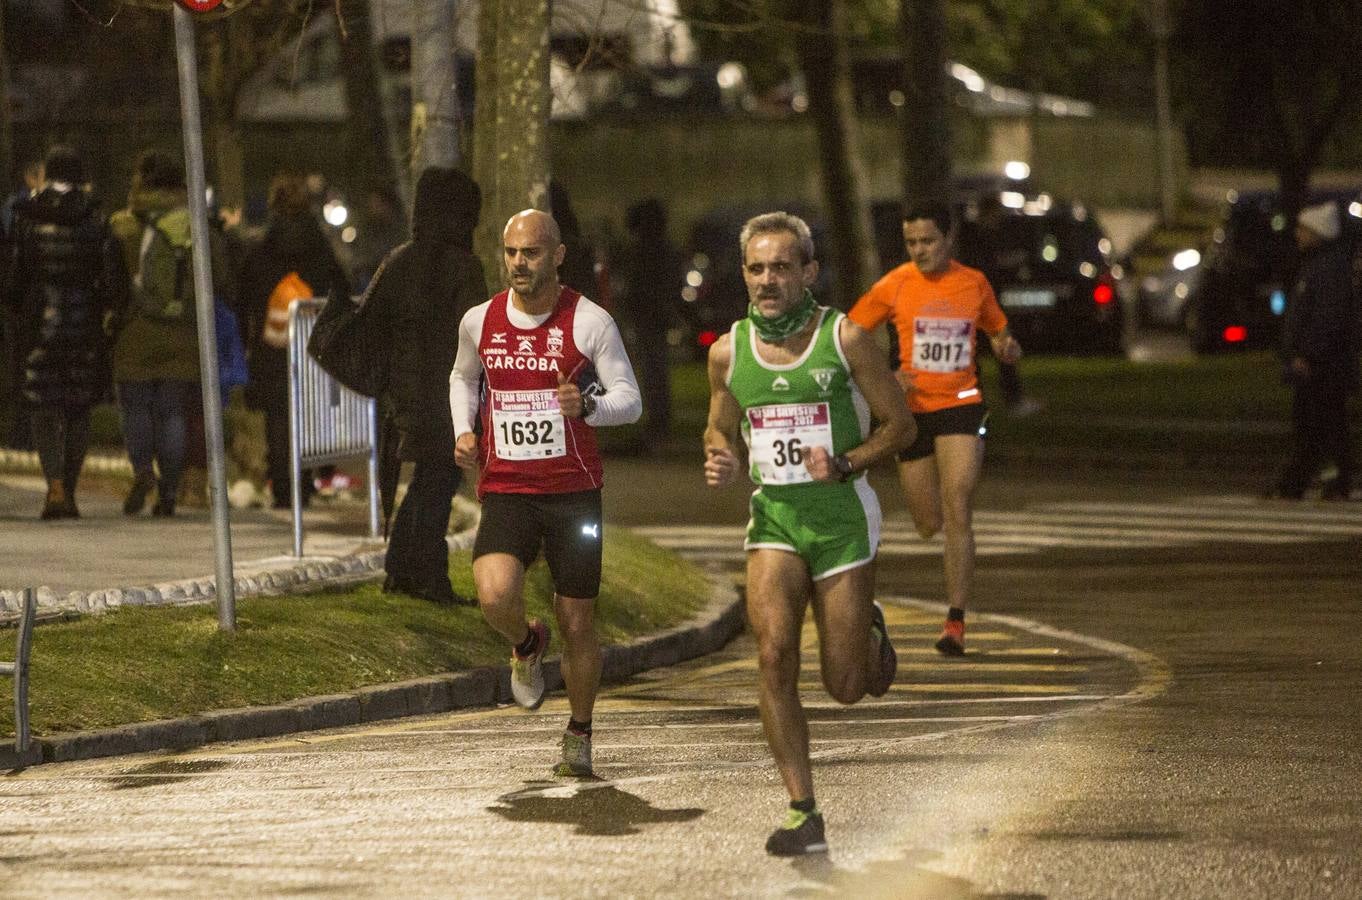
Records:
x=943, y=345
x=780, y=435
x=527, y=425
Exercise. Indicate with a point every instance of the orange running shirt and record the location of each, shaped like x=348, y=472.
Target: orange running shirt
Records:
x=938, y=318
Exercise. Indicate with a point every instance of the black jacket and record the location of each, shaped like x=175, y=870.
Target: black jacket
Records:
x=290, y=244
x=1321, y=324
x=419, y=295
x=66, y=271
x=422, y=324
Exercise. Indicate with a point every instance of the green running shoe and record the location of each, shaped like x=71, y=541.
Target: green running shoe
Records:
x=889, y=660
x=802, y=833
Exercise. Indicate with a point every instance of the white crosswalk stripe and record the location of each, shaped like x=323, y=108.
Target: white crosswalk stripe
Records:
x=1080, y=525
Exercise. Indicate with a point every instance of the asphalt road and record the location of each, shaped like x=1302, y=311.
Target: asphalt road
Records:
x=1164, y=704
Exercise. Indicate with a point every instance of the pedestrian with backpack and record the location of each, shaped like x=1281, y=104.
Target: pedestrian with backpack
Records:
x=156, y=350
x=292, y=261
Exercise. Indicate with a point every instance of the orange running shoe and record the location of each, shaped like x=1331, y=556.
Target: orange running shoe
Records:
x=952, y=640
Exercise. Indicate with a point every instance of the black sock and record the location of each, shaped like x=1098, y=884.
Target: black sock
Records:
x=804, y=806
x=527, y=646
x=955, y=614
x=583, y=728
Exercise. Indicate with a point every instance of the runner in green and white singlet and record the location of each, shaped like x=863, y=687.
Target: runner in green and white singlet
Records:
x=800, y=383
x=787, y=410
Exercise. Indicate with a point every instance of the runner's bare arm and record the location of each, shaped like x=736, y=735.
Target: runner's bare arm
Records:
x=1005, y=347
x=883, y=394
x=721, y=432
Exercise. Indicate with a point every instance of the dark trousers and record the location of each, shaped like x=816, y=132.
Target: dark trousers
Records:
x=1319, y=420
x=277, y=459
x=1009, y=379
x=654, y=378
x=61, y=437
x=153, y=414
x=417, y=552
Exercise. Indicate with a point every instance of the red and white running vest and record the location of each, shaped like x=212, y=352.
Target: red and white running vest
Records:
x=527, y=445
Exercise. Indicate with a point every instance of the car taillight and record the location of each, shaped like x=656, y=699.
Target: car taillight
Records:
x=1235, y=334
x=705, y=338
x=1103, y=294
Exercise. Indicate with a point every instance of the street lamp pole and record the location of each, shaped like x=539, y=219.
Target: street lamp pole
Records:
x=187, y=64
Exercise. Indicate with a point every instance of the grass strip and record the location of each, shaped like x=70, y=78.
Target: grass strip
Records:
x=139, y=664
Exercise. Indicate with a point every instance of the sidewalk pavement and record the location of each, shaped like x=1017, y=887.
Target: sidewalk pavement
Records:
x=105, y=559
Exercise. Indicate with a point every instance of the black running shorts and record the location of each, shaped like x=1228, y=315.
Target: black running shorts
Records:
x=567, y=527
x=972, y=418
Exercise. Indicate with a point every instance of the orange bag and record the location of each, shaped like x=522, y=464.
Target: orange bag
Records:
x=291, y=287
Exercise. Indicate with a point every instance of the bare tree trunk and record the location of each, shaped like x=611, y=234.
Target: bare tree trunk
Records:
x=926, y=120
x=487, y=238
x=510, y=141
x=523, y=99
x=821, y=47
x=370, y=147
x=6, y=126
x=435, y=95
x=222, y=47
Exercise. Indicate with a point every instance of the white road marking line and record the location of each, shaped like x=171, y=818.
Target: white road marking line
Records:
x=1155, y=677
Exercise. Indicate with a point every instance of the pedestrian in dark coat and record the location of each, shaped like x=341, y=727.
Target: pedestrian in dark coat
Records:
x=66, y=274
x=418, y=297
x=1321, y=341
x=651, y=270
x=293, y=243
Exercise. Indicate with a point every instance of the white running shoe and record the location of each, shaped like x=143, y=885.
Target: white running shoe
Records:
x=576, y=761
x=527, y=675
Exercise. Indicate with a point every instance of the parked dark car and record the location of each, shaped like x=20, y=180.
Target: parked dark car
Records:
x=714, y=295
x=1246, y=274
x=1048, y=262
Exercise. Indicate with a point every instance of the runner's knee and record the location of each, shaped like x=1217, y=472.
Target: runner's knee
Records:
x=778, y=659
x=576, y=619
x=927, y=526
x=846, y=686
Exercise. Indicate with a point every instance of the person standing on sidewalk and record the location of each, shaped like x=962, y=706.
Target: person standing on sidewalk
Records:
x=938, y=307
x=540, y=366
x=293, y=260
x=66, y=273
x=1321, y=340
x=418, y=297
x=156, y=351
x=801, y=383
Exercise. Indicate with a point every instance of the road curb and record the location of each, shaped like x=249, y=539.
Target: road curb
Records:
x=308, y=574
x=720, y=621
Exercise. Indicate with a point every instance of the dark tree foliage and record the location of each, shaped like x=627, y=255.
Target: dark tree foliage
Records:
x=1269, y=83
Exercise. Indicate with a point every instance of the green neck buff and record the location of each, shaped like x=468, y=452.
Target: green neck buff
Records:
x=782, y=326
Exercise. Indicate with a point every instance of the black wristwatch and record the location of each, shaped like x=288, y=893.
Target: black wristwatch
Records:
x=588, y=405
x=843, y=467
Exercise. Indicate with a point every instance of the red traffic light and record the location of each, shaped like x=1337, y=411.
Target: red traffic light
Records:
x=1235, y=334
x=200, y=6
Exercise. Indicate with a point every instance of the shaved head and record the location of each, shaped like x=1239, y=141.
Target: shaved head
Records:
x=532, y=250
x=536, y=225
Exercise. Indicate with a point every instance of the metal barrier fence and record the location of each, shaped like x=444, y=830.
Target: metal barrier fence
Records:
x=328, y=422
x=19, y=669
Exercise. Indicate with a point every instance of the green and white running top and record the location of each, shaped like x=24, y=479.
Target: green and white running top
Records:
x=787, y=409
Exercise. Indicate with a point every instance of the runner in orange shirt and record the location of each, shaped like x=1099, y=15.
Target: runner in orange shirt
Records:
x=938, y=307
